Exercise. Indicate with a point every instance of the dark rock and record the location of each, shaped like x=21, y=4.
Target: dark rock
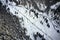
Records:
x=4, y=6
x=40, y=35
x=8, y=9
x=46, y=20
x=58, y=31
x=0, y=4
x=41, y=22
x=3, y=38
x=35, y=36
x=16, y=2
x=48, y=25
x=43, y=39
x=51, y=2
x=36, y=14
x=32, y=10
x=16, y=12
x=10, y=0
x=6, y=1
x=58, y=9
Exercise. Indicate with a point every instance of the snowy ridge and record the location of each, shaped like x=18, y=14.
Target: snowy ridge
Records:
x=32, y=23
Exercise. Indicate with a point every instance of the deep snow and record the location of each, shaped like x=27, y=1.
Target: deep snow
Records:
x=31, y=23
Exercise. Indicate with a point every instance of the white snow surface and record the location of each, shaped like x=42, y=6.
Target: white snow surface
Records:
x=55, y=6
x=34, y=25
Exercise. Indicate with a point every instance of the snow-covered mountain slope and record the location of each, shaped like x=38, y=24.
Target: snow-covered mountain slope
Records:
x=36, y=20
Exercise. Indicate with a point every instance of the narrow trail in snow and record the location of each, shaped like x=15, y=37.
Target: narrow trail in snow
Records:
x=33, y=23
